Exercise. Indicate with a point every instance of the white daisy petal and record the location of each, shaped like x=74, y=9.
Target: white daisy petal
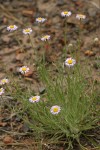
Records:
x=70, y=45
x=70, y=62
x=34, y=99
x=4, y=81
x=55, y=109
x=27, y=31
x=24, y=69
x=12, y=28
x=80, y=16
x=45, y=38
x=40, y=20
x=96, y=39
x=66, y=13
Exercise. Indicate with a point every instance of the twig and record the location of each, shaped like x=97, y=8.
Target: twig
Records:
x=96, y=5
x=31, y=143
x=16, y=133
x=10, y=52
x=9, y=15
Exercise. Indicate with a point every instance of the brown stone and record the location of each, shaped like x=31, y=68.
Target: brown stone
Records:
x=7, y=139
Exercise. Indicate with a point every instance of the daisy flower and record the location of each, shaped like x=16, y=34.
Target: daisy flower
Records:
x=80, y=16
x=1, y=91
x=70, y=62
x=45, y=38
x=66, y=13
x=12, y=28
x=4, y=81
x=70, y=45
x=96, y=39
x=24, y=69
x=55, y=109
x=40, y=20
x=27, y=31
x=34, y=99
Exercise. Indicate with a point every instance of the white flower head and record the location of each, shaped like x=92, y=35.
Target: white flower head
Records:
x=40, y=20
x=34, y=99
x=45, y=38
x=27, y=31
x=70, y=45
x=70, y=62
x=55, y=109
x=66, y=13
x=12, y=28
x=96, y=39
x=80, y=16
x=24, y=69
x=1, y=91
x=4, y=81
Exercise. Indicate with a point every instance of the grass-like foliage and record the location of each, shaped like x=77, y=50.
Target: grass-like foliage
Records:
x=68, y=89
x=67, y=108
x=72, y=93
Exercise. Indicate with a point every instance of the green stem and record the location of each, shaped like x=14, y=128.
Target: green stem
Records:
x=78, y=51
x=32, y=46
x=19, y=43
x=65, y=38
x=79, y=44
x=40, y=29
x=31, y=41
x=44, y=56
x=1, y=105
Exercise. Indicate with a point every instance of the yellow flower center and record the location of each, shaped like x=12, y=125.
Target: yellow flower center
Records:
x=70, y=61
x=3, y=81
x=34, y=98
x=66, y=12
x=27, y=30
x=81, y=16
x=39, y=18
x=12, y=26
x=55, y=109
x=24, y=69
x=45, y=37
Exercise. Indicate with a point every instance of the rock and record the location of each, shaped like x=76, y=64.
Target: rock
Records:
x=20, y=56
x=29, y=74
x=89, y=53
x=5, y=38
x=72, y=20
x=78, y=3
x=92, y=12
x=60, y=2
x=3, y=124
x=42, y=90
x=27, y=12
x=7, y=139
x=25, y=127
